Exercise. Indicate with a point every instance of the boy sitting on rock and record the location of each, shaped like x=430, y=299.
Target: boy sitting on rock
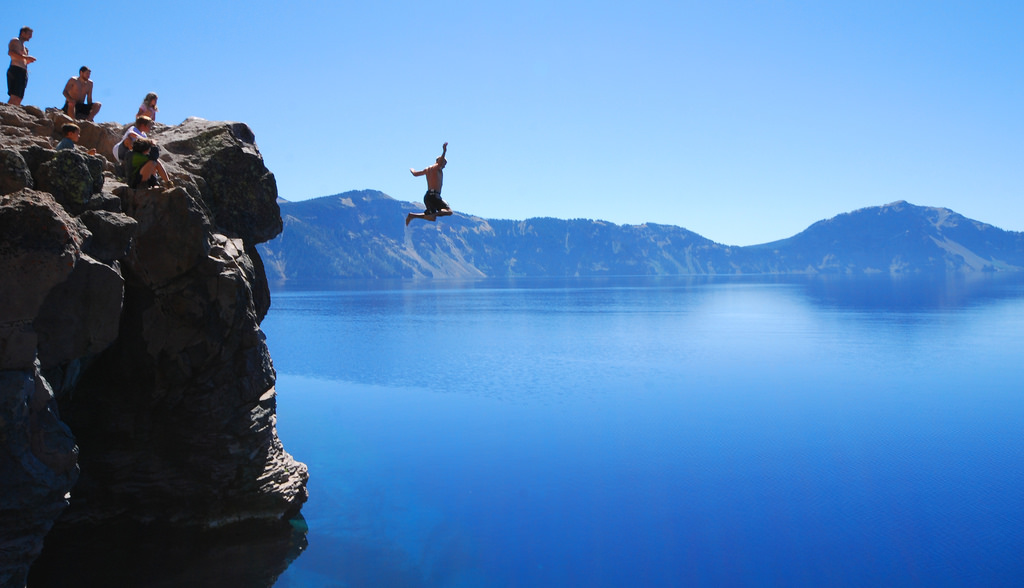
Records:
x=146, y=166
x=72, y=133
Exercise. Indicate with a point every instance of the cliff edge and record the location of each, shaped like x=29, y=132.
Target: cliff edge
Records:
x=135, y=382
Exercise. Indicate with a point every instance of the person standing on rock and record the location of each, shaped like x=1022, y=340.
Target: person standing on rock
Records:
x=432, y=199
x=17, y=73
x=78, y=102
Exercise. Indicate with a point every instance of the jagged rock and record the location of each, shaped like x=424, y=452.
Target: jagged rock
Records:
x=39, y=246
x=261, y=287
x=180, y=417
x=80, y=316
x=99, y=136
x=238, y=188
x=95, y=165
x=71, y=177
x=172, y=236
x=14, y=172
x=39, y=250
x=37, y=469
x=35, y=156
x=111, y=233
x=25, y=125
x=104, y=201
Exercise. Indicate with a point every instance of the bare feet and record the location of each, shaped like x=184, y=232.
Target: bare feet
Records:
x=424, y=216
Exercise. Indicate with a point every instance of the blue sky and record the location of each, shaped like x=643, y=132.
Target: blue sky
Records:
x=742, y=121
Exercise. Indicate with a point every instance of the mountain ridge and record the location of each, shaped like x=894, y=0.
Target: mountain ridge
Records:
x=361, y=234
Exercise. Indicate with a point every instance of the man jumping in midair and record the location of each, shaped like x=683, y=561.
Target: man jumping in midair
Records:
x=432, y=199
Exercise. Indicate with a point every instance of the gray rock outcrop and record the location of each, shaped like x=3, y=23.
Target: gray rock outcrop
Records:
x=135, y=382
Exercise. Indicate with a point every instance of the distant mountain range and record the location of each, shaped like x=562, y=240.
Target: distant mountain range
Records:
x=362, y=234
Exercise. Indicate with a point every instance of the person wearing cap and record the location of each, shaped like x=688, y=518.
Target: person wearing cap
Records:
x=432, y=199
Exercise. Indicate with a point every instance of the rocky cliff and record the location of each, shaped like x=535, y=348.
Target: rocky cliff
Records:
x=135, y=382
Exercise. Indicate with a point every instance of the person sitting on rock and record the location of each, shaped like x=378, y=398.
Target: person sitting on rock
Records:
x=145, y=165
x=148, y=106
x=123, y=148
x=78, y=102
x=72, y=134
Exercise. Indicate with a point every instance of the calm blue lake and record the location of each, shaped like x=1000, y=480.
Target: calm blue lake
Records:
x=656, y=431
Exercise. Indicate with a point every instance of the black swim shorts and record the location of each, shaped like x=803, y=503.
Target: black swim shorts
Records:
x=82, y=110
x=17, y=79
x=432, y=200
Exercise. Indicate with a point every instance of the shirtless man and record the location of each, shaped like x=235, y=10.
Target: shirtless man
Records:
x=432, y=199
x=78, y=96
x=17, y=73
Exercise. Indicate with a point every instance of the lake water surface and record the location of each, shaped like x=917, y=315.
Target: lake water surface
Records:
x=656, y=431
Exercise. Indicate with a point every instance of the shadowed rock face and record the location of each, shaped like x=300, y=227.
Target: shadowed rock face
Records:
x=135, y=383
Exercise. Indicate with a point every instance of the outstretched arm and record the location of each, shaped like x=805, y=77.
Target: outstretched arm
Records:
x=417, y=173
x=444, y=148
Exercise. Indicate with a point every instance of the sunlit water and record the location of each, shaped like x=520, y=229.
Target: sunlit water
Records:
x=656, y=432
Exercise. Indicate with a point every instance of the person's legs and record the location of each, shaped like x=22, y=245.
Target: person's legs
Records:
x=161, y=171
x=435, y=205
x=17, y=79
x=147, y=171
x=153, y=168
x=126, y=163
x=85, y=111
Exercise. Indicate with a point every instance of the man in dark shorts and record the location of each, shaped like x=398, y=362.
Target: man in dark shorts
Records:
x=432, y=199
x=78, y=96
x=17, y=73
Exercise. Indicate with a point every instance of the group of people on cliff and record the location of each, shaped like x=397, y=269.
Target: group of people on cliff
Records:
x=136, y=153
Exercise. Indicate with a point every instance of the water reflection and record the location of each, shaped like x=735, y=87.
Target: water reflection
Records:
x=246, y=555
x=860, y=292
x=912, y=293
